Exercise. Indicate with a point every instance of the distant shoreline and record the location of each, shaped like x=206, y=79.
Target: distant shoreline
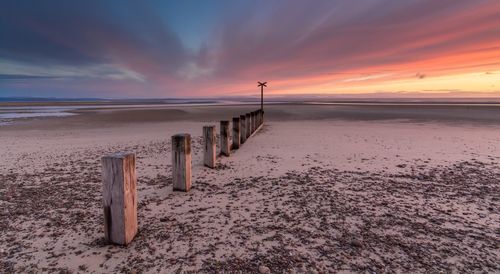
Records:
x=272, y=101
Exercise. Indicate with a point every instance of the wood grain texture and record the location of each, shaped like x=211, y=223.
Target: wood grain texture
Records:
x=248, y=130
x=236, y=133
x=119, y=197
x=225, y=135
x=256, y=116
x=254, y=119
x=209, y=146
x=181, y=162
x=252, y=123
x=243, y=129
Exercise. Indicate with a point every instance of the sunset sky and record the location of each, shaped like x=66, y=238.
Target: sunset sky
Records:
x=152, y=49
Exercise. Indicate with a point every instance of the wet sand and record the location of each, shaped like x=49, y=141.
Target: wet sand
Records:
x=319, y=188
x=117, y=115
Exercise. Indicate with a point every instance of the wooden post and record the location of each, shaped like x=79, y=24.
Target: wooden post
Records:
x=119, y=193
x=225, y=148
x=255, y=114
x=209, y=146
x=247, y=125
x=252, y=122
x=255, y=122
x=236, y=132
x=243, y=127
x=181, y=162
x=258, y=118
x=261, y=117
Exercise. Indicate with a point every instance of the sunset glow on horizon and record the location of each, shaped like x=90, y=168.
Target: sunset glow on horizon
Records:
x=122, y=49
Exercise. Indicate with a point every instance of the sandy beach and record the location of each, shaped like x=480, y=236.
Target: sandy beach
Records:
x=319, y=189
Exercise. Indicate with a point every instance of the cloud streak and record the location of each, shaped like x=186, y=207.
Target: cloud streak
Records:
x=127, y=48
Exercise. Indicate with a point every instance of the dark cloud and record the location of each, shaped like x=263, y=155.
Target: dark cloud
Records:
x=295, y=38
x=127, y=33
x=127, y=47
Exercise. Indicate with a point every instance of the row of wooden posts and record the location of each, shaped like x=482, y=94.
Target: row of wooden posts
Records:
x=120, y=179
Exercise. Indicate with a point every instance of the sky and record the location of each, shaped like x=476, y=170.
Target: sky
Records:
x=165, y=49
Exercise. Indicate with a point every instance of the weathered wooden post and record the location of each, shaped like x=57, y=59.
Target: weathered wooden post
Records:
x=252, y=122
x=258, y=118
x=236, y=133
x=256, y=115
x=261, y=112
x=243, y=128
x=225, y=148
x=247, y=125
x=209, y=146
x=256, y=122
x=119, y=193
x=181, y=162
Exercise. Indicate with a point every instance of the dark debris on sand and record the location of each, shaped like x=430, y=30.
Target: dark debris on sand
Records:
x=443, y=219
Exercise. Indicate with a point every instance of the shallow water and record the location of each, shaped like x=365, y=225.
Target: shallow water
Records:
x=10, y=114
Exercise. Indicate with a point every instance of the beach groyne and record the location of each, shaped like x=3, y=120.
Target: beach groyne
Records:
x=120, y=180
